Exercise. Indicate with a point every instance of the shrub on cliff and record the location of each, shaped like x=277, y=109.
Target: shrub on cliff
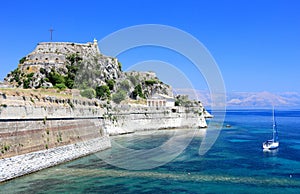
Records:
x=43, y=71
x=60, y=86
x=30, y=75
x=15, y=75
x=74, y=58
x=103, y=92
x=21, y=61
x=138, y=92
x=183, y=100
x=69, y=82
x=56, y=78
x=124, y=85
x=120, y=65
x=26, y=83
x=111, y=84
x=88, y=93
x=119, y=96
x=73, y=67
x=150, y=82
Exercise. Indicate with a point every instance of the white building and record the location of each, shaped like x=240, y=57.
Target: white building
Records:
x=160, y=100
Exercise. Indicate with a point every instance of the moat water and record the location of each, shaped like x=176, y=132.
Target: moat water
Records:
x=235, y=164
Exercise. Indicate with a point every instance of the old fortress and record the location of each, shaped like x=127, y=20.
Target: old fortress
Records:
x=54, y=53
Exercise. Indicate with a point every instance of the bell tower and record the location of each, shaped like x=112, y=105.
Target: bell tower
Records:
x=96, y=45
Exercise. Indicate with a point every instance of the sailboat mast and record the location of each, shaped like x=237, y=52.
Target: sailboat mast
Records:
x=275, y=132
x=273, y=125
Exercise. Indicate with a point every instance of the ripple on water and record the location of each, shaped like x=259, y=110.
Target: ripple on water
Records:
x=239, y=140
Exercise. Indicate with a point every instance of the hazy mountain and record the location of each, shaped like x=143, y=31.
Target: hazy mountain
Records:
x=248, y=99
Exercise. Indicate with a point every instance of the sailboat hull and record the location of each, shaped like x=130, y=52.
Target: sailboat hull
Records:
x=271, y=145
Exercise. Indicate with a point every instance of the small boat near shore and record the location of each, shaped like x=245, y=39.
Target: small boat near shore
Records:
x=273, y=143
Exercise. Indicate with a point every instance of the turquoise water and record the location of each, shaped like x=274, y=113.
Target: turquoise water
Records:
x=235, y=164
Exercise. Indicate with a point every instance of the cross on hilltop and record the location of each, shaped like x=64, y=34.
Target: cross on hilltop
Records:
x=51, y=31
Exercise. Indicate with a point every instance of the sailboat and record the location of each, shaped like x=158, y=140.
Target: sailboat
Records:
x=273, y=143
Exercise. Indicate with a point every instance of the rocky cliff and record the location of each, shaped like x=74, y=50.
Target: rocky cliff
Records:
x=64, y=59
x=82, y=66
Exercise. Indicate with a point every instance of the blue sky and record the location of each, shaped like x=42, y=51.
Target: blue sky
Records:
x=255, y=43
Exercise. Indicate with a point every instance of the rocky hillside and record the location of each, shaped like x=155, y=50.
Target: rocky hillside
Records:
x=71, y=65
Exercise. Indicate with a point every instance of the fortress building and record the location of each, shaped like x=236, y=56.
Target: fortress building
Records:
x=55, y=53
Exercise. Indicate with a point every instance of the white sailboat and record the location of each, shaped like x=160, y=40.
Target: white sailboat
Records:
x=274, y=142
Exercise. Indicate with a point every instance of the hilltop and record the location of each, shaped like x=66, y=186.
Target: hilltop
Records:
x=66, y=65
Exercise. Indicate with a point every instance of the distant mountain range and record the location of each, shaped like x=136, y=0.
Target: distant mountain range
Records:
x=248, y=99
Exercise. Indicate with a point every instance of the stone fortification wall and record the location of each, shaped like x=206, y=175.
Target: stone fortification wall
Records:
x=31, y=135
x=27, y=163
x=30, y=123
x=54, y=53
x=37, y=106
x=38, y=131
x=132, y=119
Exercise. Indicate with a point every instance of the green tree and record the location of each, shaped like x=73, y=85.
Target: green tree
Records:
x=150, y=82
x=69, y=82
x=26, y=83
x=15, y=75
x=21, y=61
x=60, y=86
x=30, y=75
x=124, y=85
x=73, y=67
x=56, y=78
x=43, y=71
x=183, y=100
x=103, y=92
x=74, y=58
x=138, y=91
x=111, y=83
x=120, y=65
x=88, y=93
x=119, y=96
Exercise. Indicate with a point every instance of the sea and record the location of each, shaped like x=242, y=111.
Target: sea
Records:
x=235, y=163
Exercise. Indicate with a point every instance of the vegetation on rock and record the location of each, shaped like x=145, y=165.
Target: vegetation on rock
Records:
x=137, y=92
x=103, y=92
x=111, y=84
x=88, y=93
x=119, y=96
x=150, y=82
x=183, y=100
x=21, y=61
x=95, y=75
